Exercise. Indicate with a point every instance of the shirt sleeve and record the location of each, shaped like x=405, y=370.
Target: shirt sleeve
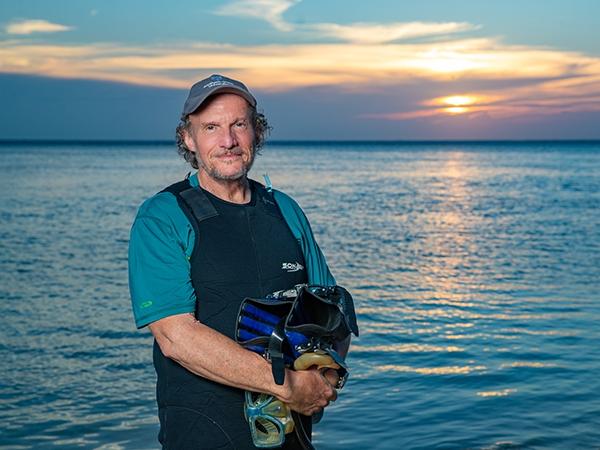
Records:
x=159, y=268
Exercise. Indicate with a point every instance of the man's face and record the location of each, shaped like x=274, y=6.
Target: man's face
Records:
x=222, y=137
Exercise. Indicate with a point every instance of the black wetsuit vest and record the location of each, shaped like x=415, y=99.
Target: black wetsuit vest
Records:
x=240, y=251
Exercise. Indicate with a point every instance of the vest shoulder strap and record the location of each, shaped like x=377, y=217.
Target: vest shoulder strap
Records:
x=194, y=200
x=200, y=205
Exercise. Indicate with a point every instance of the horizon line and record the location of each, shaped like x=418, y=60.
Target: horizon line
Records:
x=28, y=141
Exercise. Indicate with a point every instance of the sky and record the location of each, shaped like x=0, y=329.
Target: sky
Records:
x=321, y=70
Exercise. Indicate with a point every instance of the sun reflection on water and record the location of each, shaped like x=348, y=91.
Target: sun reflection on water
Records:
x=499, y=393
x=446, y=370
x=407, y=348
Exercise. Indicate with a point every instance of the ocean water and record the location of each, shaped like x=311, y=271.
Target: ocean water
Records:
x=475, y=269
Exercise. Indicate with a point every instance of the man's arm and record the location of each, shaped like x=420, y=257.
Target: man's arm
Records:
x=211, y=355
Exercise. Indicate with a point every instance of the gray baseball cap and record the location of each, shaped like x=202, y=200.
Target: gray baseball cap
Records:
x=215, y=84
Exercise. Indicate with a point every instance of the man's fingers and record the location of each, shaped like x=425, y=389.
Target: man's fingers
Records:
x=315, y=391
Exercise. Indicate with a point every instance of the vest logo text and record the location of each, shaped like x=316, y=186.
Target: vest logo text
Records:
x=292, y=267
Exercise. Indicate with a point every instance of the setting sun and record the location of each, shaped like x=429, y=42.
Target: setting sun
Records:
x=458, y=100
x=456, y=110
x=455, y=104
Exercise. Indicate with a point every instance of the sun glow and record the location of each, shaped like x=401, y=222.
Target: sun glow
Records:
x=458, y=100
x=456, y=104
x=456, y=110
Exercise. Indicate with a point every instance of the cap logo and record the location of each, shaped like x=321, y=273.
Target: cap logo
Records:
x=213, y=84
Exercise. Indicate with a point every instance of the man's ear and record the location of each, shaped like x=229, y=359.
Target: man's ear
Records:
x=189, y=142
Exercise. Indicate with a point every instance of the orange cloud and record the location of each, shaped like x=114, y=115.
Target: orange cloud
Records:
x=557, y=81
x=318, y=63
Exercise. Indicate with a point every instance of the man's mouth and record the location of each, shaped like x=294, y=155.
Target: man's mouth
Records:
x=230, y=154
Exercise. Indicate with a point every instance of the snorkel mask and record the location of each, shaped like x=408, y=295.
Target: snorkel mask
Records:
x=269, y=419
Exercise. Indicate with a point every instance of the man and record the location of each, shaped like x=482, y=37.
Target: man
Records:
x=200, y=247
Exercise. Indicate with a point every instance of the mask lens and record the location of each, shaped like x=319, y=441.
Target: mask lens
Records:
x=269, y=419
x=266, y=432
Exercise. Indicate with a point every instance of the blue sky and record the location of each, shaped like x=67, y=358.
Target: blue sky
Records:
x=320, y=69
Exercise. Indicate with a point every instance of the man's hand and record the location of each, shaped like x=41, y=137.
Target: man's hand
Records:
x=309, y=391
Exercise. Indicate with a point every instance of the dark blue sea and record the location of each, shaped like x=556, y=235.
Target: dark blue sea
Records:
x=475, y=268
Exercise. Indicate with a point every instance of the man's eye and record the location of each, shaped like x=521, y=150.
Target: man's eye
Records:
x=240, y=124
x=210, y=127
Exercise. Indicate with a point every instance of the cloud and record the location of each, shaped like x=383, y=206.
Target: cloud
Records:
x=512, y=80
x=543, y=98
x=25, y=27
x=364, y=66
x=268, y=10
x=272, y=12
x=369, y=33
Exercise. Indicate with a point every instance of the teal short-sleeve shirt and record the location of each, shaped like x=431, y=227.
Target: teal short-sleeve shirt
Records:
x=160, y=246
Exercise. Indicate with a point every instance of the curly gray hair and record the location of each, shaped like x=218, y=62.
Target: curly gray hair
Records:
x=261, y=131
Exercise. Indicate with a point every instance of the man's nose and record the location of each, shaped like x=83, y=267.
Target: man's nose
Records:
x=229, y=139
